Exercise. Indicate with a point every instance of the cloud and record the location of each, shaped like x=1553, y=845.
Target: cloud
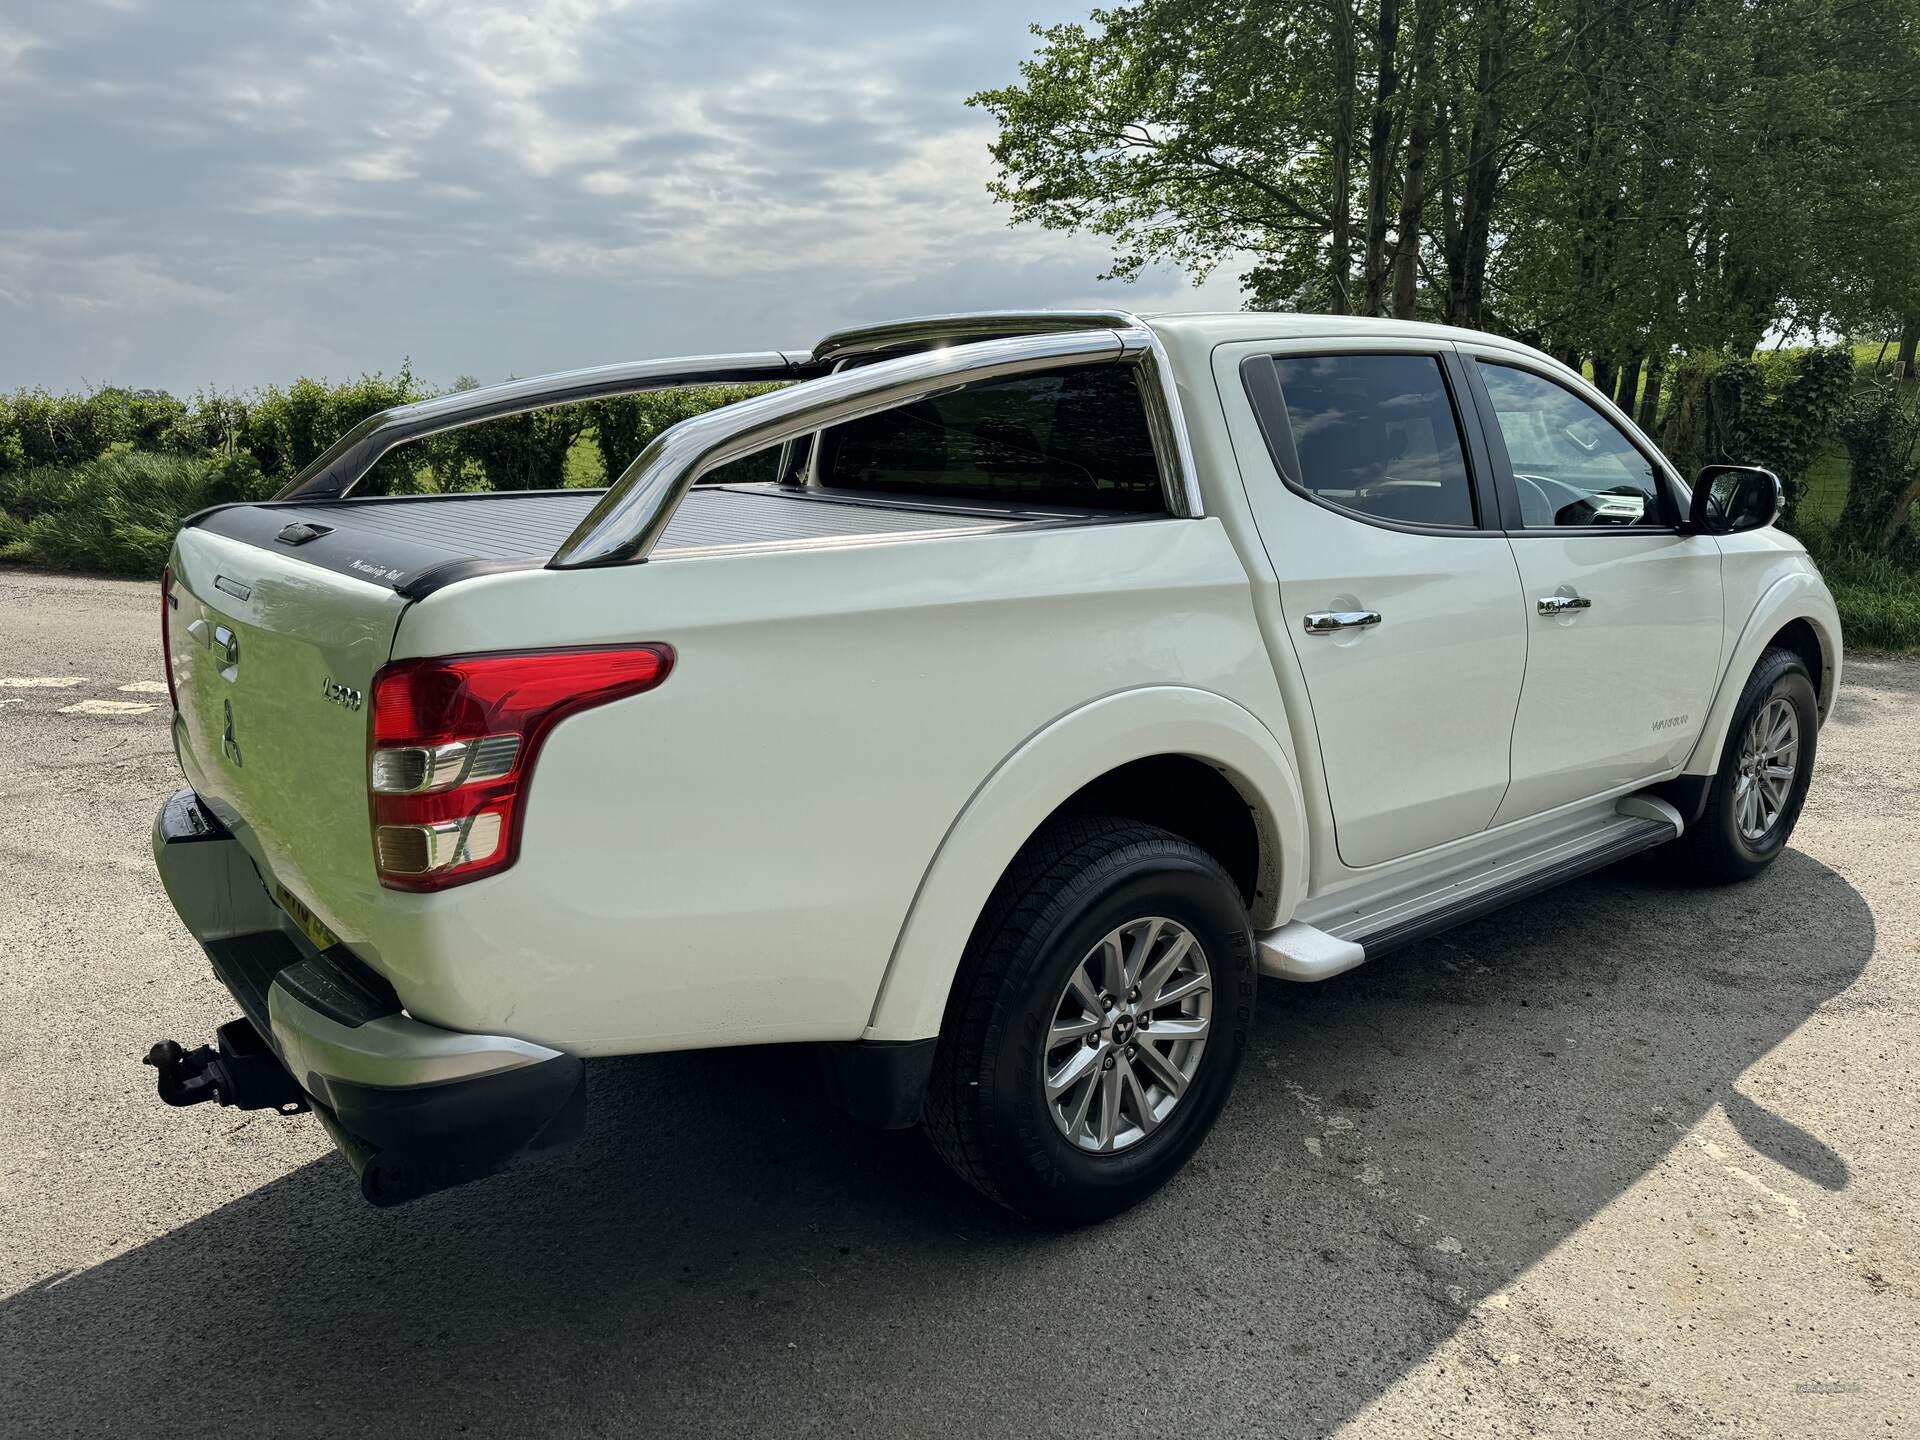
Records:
x=231, y=193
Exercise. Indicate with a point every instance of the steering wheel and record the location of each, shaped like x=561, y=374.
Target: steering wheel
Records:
x=1535, y=508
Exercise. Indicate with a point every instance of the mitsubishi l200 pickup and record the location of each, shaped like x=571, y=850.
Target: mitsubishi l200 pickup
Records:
x=1044, y=681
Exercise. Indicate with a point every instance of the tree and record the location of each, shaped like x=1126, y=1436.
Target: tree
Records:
x=1615, y=179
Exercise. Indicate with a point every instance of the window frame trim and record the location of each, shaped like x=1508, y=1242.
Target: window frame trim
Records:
x=1260, y=380
x=1502, y=462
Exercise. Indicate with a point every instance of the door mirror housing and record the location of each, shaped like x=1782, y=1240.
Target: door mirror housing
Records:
x=1728, y=499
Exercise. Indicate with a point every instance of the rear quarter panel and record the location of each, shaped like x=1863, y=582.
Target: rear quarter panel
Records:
x=729, y=859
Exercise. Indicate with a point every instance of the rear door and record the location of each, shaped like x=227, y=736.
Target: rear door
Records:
x=272, y=660
x=1401, y=601
x=1623, y=611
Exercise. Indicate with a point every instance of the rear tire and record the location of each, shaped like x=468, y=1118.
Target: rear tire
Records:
x=1026, y=1014
x=1751, y=808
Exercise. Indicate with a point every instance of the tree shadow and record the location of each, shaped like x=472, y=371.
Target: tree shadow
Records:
x=722, y=1254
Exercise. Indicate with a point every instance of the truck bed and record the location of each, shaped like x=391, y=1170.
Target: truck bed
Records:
x=419, y=543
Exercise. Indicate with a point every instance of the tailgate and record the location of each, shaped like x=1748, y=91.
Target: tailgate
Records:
x=273, y=661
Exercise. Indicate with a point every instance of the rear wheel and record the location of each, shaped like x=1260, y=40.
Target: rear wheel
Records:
x=1101, y=1014
x=1765, y=768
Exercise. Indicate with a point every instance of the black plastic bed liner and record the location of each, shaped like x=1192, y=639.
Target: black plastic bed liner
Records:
x=417, y=544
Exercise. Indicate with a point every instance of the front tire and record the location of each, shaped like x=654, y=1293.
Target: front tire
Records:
x=1101, y=1014
x=1765, y=768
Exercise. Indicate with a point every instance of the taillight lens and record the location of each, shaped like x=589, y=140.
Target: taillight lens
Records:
x=453, y=747
x=167, y=604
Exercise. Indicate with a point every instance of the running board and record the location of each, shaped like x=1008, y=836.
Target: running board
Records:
x=1347, y=935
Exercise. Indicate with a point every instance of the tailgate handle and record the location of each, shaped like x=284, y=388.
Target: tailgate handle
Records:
x=226, y=645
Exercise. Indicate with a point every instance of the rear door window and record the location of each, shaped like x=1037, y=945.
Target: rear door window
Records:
x=1076, y=437
x=1376, y=435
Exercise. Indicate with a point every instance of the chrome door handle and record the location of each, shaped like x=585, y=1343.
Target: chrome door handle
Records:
x=1325, y=622
x=1561, y=604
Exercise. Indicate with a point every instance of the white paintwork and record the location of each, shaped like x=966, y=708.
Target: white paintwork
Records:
x=1412, y=715
x=791, y=838
x=1613, y=693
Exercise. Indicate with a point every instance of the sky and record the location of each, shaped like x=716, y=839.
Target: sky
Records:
x=204, y=193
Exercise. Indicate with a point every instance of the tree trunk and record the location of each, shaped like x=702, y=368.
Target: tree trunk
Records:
x=1604, y=371
x=1650, y=397
x=1379, y=145
x=1340, y=149
x=1467, y=272
x=1628, y=388
x=1413, y=191
x=1909, y=343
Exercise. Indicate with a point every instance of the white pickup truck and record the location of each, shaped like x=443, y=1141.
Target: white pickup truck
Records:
x=1049, y=678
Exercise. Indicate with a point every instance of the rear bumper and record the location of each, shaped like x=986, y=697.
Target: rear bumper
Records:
x=414, y=1107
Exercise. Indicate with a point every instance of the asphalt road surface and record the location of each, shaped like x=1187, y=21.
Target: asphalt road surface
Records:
x=1626, y=1159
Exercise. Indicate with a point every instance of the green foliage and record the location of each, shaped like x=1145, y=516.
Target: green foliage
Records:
x=1878, y=597
x=37, y=428
x=1882, y=435
x=117, y=512
x=101, y=480
x=1775, y=411
x=1618, y=180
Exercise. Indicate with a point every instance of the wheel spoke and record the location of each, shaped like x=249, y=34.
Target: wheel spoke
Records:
x=1163, y=968
x=1072, y=1071
x=1181, y=1027
x=1066, y=1030
x=1076, y=1124
x=1159, y=1067
x=1195, y=984
x=1137, y=1097
x=1142, y=948
x=1081, y=988
x=1109, y=1107
x=1113, y=965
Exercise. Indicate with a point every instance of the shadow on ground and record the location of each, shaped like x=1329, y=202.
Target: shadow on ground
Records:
x=721, y=1255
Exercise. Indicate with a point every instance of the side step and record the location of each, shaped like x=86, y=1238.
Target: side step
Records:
x=1349, y=930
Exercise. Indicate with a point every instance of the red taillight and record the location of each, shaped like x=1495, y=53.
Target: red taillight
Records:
x=167, y=603
x=453, y=745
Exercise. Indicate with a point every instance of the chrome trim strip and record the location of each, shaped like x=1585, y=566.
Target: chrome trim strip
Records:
x=333, y=474
x=630, y=517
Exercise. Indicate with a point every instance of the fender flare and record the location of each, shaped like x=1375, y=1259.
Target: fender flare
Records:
x=1033, y=781
x=1799, y=596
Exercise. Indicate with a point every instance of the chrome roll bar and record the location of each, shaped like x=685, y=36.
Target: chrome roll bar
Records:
x=630, y=517
x=849, y=374
x=333, y=474
x=637, y=508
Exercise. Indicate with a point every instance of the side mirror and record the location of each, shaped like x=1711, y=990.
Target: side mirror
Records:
x=1728, y=499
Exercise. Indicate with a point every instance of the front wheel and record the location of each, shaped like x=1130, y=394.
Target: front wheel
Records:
x=1765, y=768
x=1100, y=1017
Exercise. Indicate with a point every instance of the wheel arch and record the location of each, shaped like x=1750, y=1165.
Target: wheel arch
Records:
x=1086, y=761
x=1795, y=612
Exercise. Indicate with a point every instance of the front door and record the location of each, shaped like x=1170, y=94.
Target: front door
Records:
x=1401, y=604
x=1623, y=611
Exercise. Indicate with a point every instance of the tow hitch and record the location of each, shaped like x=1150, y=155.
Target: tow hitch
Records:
x=238, y=1069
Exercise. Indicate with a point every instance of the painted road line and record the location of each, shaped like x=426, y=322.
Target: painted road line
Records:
x=41, y=682
x=144, y=687
x=105, y=707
